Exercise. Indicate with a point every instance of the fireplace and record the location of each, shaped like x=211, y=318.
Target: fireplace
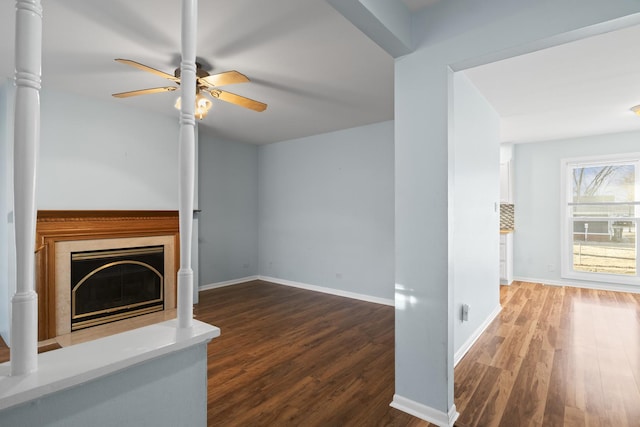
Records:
x=99, y=267
x=108, y=285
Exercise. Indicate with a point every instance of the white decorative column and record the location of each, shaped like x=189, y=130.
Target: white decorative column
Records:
x=187, y=160
x=24, y=317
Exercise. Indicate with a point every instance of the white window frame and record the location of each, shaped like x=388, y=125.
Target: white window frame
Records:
x=566, y=224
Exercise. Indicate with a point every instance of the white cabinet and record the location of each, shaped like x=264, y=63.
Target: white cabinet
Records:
x=506, y=183
x=506, y=173
x=506, y=258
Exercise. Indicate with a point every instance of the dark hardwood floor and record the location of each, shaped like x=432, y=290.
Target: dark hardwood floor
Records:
x=289, y=357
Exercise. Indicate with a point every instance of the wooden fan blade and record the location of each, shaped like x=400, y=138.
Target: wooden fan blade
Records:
x=144, y=91
x=221, y=79
x=238, y=100
x=148, y=69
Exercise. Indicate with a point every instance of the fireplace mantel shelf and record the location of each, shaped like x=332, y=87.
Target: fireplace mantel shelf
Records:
x=69, y=366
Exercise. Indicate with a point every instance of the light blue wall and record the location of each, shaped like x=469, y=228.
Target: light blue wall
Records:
x=97, y=155
x=537, y=176
x=476, y=239
x=93, y=155
x=164, y=392
x=228, y=176
x=105, y=155
x=326, y=210
x=458, y=34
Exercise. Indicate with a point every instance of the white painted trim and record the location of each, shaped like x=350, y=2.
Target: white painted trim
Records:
x=227, y=283
x=588, y=285
x=26, y=125
x=332, y=291
x=439, y=418
x=187, y=160
x=464, y=348
x=90, y=360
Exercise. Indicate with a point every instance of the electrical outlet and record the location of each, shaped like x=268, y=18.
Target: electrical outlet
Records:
x=550, y=267
x=465, y=312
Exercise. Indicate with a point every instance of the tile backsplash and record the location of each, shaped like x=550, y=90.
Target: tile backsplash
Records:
x=507, y=216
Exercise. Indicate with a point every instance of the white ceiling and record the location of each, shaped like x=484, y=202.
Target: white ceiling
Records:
x=317, y=72
x=414, y=5
x=314, y=69
x=581, y=88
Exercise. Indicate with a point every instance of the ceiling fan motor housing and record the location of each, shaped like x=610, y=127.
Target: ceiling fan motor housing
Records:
x=199, y=71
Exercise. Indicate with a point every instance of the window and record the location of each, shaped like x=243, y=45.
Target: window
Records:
x=600, y=213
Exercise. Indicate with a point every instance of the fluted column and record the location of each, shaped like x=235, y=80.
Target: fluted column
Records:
x=24, y=317
x=187, y=160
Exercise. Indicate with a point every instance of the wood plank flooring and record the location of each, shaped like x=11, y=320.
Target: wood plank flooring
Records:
x=289, y=357
x=555, y=356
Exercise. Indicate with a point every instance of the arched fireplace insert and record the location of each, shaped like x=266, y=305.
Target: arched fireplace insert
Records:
x=109, y=285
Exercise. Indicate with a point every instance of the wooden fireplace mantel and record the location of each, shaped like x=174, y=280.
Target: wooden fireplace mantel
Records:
x=54, y=226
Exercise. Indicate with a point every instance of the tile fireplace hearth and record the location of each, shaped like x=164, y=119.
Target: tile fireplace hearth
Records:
x=97, y=267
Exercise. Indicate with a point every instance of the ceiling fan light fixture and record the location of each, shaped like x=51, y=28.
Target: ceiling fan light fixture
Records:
x=636, y=109
x=203, y=105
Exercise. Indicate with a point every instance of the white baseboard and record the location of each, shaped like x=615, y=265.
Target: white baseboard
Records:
x=588, y=285
x=457, y=357
x=331, y=291
x=227, y=283
x=439, y=418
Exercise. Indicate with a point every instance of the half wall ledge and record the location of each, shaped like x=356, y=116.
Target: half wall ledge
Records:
x=78, y=364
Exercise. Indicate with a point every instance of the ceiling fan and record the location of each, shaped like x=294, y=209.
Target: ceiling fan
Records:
x=205, y=82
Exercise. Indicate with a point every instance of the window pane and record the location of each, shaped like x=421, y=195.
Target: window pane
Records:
x=604, y=183
x=605, y=247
